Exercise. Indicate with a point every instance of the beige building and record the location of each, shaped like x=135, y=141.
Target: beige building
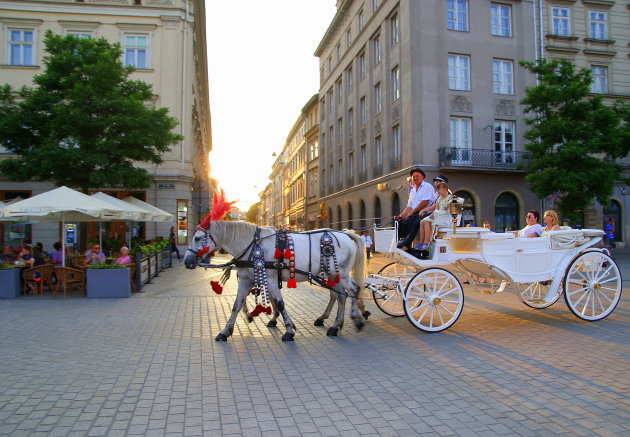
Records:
x=165, y=40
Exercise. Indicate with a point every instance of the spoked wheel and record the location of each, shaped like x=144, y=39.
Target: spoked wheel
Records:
x=433, y=300
x=534, y=294
x=391, y=302
x=592, y=285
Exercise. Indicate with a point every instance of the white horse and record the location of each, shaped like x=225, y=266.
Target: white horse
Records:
x=236, y=238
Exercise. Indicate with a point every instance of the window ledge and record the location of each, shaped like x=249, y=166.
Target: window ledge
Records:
x=19, y=67
x=600, y=41
x=144, y=70
x=599, y=52
x=561, y=49
x=562, y=37
x=599, y=2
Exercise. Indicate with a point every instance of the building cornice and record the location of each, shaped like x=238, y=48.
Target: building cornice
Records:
x=91, y=9
x=332, y=28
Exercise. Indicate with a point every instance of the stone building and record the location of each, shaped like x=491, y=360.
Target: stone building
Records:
x=166, y=41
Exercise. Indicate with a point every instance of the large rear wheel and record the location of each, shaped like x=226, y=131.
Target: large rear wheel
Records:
x=433, y=300
x=389, y=297
x=592, y=285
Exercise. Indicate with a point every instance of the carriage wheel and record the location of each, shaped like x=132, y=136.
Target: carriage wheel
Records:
x=592, y=285
x=533, y=294
x=392, y=301
x=433, y=300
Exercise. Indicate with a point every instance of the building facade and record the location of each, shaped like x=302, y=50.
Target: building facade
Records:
x=165, y=41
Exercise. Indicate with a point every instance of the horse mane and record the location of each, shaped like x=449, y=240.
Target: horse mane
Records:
x=239, y=231
x=219, y=208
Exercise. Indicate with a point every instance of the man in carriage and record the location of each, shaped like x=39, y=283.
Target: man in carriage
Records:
x=421, y=195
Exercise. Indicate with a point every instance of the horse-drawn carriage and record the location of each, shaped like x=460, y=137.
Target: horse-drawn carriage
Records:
x=428, y=292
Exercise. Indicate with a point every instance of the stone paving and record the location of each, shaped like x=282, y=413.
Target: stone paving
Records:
x=149, y=365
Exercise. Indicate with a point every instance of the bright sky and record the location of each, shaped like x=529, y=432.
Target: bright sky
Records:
x=261, y=73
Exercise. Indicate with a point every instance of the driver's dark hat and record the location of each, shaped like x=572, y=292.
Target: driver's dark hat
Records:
x=440, y=178
x=417, y=169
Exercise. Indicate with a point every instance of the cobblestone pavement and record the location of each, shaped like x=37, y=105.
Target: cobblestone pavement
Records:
x=149, y=365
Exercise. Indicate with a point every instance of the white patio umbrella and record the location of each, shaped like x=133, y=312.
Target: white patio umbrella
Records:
x=60, y=205
x=132, y=212
x=157, y=214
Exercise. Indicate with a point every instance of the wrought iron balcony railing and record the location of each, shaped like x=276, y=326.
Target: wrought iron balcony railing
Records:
x=479, y=158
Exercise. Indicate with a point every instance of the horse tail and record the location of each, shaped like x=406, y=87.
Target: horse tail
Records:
x=360, y=260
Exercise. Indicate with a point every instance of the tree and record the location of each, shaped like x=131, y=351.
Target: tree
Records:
x=85, y=123
x=252, y=213
x=574, y=138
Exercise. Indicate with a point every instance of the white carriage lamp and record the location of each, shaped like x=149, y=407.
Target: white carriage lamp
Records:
x=456, y=208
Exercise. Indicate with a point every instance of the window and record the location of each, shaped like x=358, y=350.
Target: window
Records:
x=329, y=61
x=460, y=140
x=349, y=80
x=360, y=20
x=597, y=25
x=500, y=20
x=330, y=101
x=338, y=51
x=348, y=37
x=21, y=47
x=503, y=142
x=340, y=129
x=339, y=91
x=340, y=171
x=362, y=66
x=459, y=72
x=182, y=221
x=377, y=50
x=362, y=111
x=378, y=149
x=560, y=21
x=502, y=77
x=350, y=121
x=374, y=5
x=136, y=49
x=395, y=83
x=331, y=176
x=457, y=15
x=395, y=34
x=599, y=75
x=377, y=98
x=363, y=158
x=396, y=142
x=351, y=165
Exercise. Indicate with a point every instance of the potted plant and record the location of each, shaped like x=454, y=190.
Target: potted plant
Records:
x=108, y=280
x=9, y=281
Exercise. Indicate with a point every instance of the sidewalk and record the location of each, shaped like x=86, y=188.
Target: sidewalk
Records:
x=149, y=365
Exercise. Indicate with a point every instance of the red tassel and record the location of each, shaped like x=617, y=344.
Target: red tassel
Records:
x=291, y=283
x=336, y=279
x=277, y=254
x=212, y=253
x=267, y=310
x=216, y=287
x=329, y=283
x=287, y=253
x=260, y=309
x=203, y=251
x=253, y=291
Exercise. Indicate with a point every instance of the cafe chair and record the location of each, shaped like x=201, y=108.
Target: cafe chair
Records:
x=67, y=276
x=37, y=276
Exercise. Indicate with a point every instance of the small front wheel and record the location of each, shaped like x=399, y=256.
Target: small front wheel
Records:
x=433, y=300
x=592, y=285
x=534, y=294
x=389, y=297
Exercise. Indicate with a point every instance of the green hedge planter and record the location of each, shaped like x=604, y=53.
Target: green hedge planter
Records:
x=108, y=283
x=10, y=283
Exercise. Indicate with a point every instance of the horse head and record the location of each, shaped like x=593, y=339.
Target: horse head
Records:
x=203, y=243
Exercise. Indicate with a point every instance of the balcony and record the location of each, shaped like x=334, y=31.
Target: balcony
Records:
x=479, y=158
x=394, y=163
x=362, y=176
x=378, y=170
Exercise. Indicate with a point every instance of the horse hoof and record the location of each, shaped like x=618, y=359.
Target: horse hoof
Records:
x=250, y=318
x=272, y=323
x=288, y=336
x=366, y=314
x=332, y=332
x=221, y=337
x=359, y=326
x=319, y=322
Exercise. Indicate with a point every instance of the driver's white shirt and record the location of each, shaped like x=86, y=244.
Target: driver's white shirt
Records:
x=425, y=191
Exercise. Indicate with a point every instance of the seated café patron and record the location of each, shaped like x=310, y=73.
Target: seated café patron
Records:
x=95, y=256
x=124, y=256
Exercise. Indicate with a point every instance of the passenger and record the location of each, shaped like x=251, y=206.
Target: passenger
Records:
x=420, y=195
x=124, y=256
x=486, y=224
x=533, y=229
x=439, y=207
x=551, y=222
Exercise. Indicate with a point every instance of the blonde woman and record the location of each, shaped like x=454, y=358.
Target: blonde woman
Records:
x=439, y=207
x=551, y=222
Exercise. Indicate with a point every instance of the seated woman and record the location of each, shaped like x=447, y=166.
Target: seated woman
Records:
x=439, y=207
x=533, y=229
x=551, y=222
x=56, y=254
x=124, y=256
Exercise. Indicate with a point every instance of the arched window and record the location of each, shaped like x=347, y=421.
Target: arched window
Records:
x=395, y=204
x=377, y=211
x=468, y=212
x=613, y=210
x=338, y=222
x=506, y=213
x=362, y=223
x=350, y=221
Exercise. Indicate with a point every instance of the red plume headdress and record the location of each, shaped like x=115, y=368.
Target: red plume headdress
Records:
x=219, y=208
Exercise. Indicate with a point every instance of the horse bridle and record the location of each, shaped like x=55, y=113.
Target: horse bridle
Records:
x=204, y=243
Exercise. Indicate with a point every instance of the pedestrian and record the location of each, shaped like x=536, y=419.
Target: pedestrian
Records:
x=365, y=236
x=609, y=229
x=174, y=243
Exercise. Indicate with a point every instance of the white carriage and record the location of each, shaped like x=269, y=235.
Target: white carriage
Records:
x=541, y=269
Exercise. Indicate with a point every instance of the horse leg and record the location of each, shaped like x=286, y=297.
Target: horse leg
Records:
x=364, y=312
x=341, y=307
x=274, y=319
x=320, y=320
x=277, y=297
x=355, y=303
x=245, y=310
x=241, y=295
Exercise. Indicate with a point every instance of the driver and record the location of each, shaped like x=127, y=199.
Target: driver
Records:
x=421, y=195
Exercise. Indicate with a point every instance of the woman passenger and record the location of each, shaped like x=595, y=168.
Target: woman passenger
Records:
x=551, y=222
